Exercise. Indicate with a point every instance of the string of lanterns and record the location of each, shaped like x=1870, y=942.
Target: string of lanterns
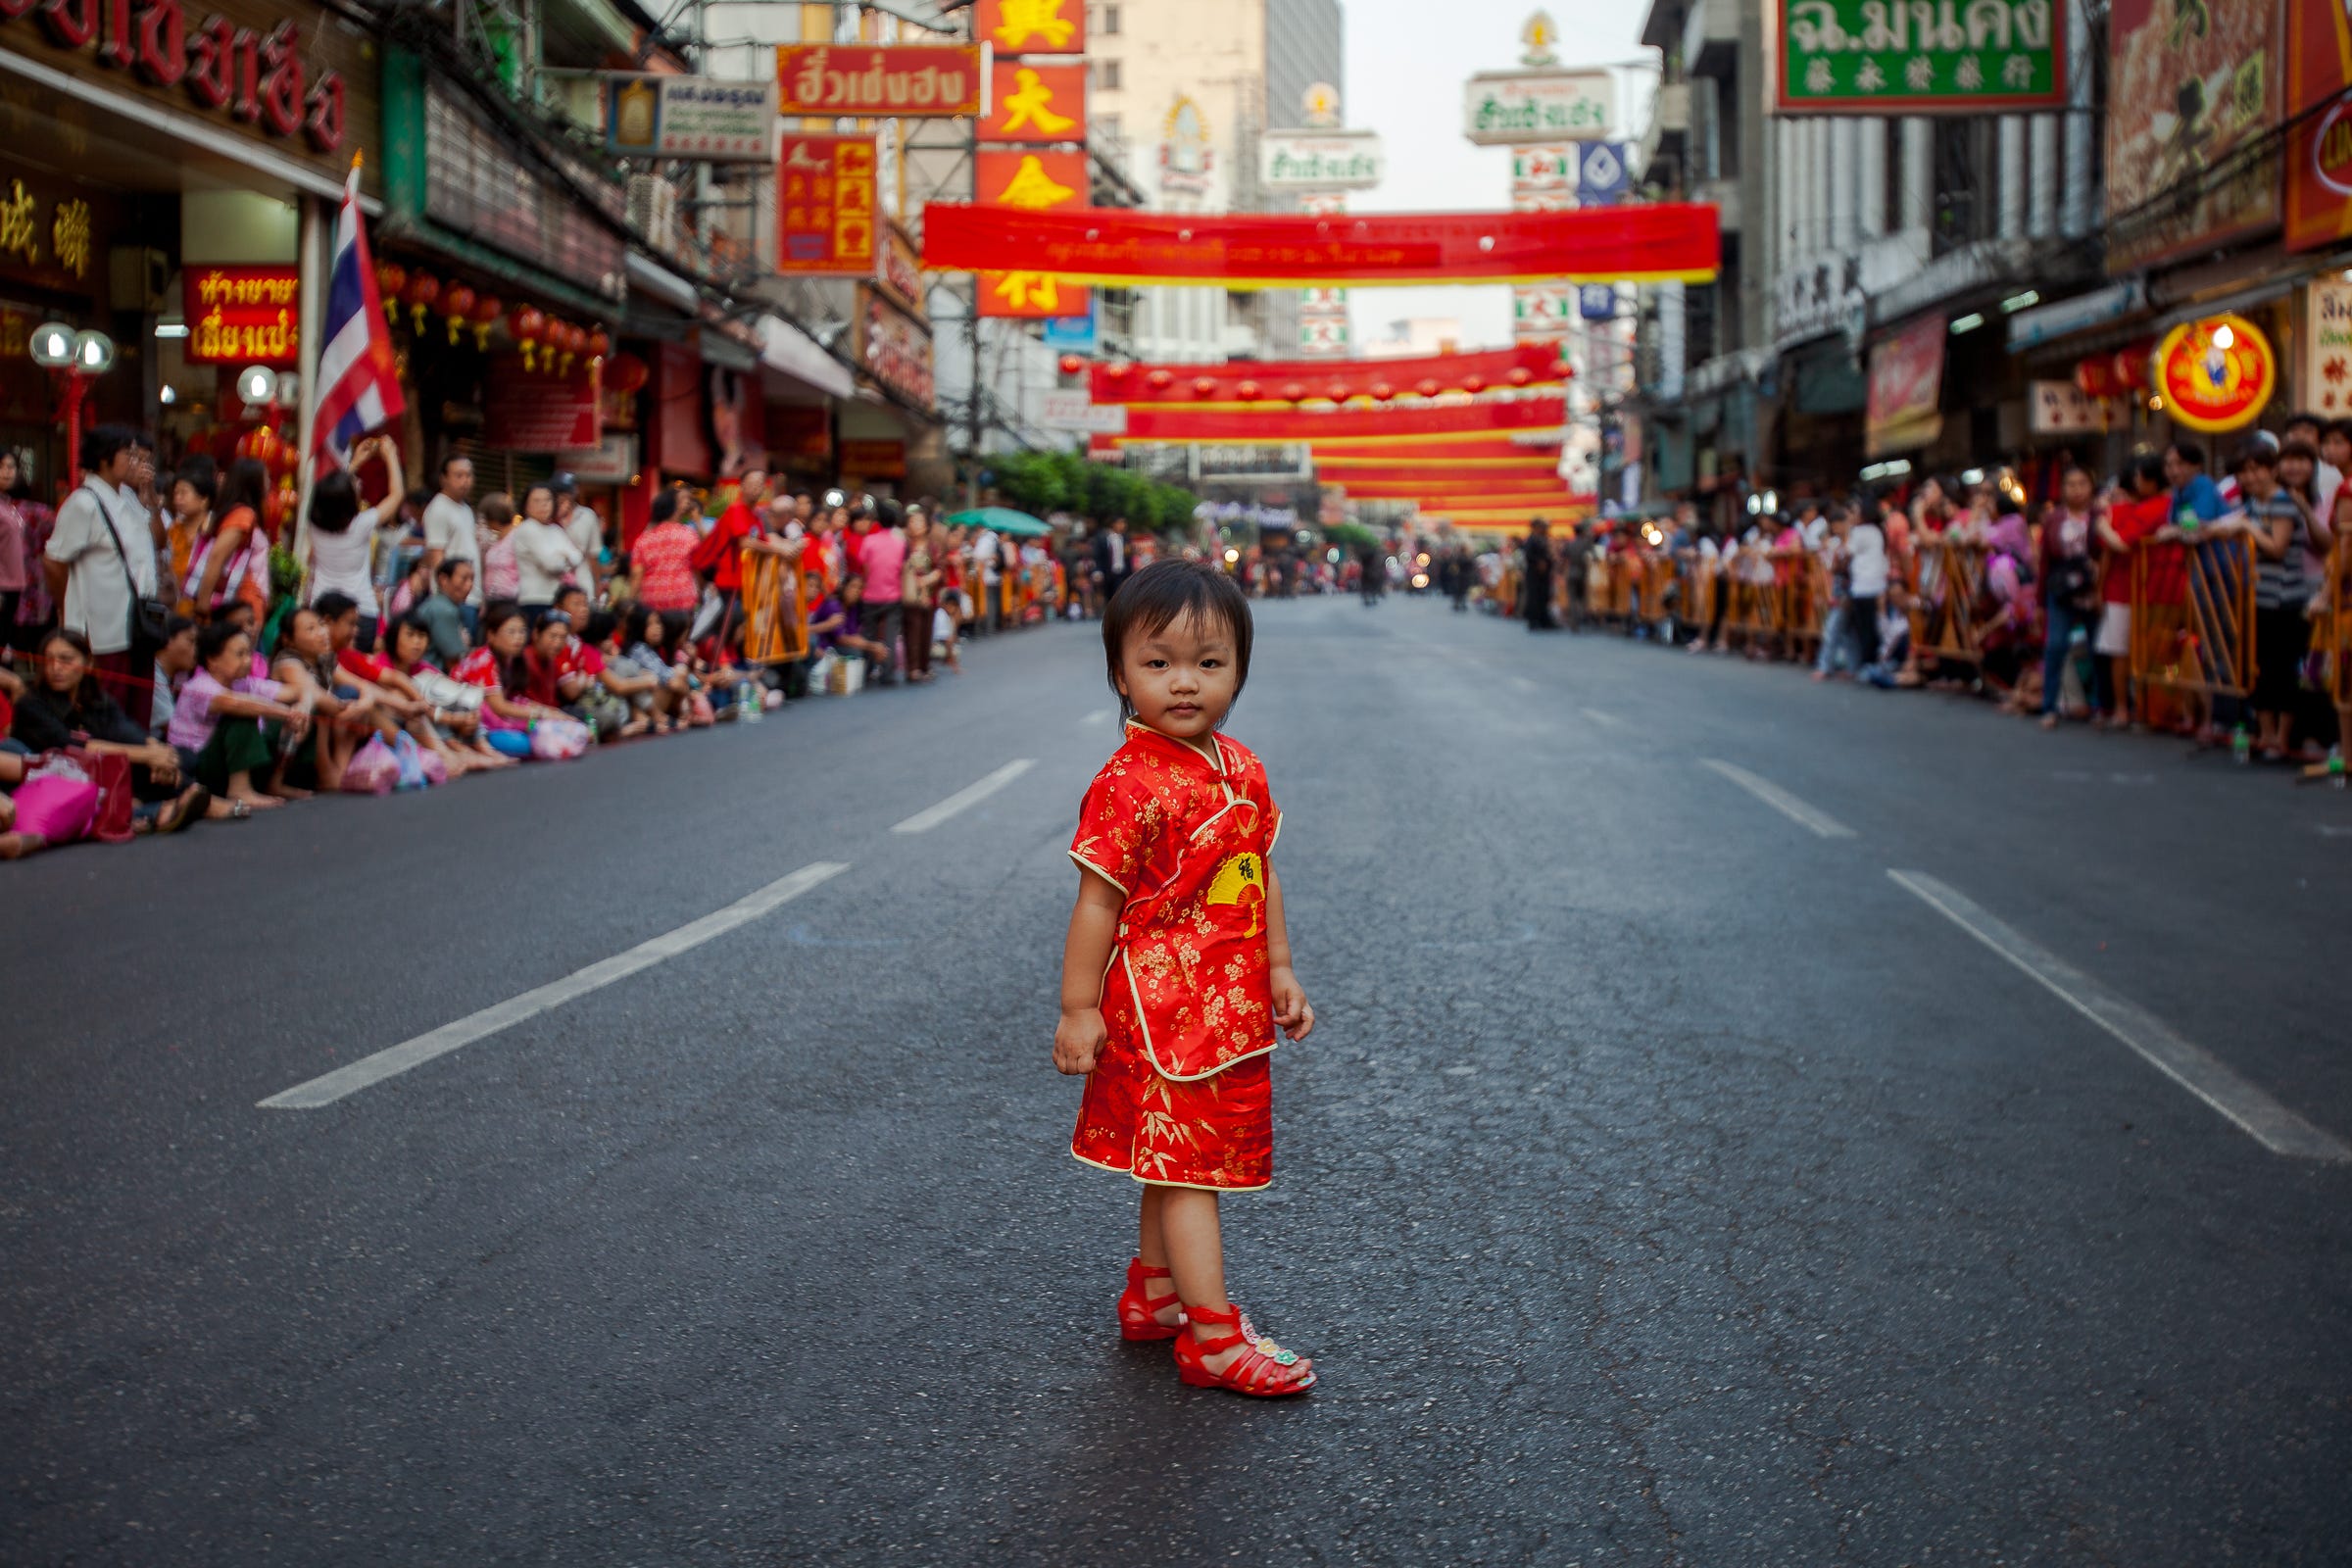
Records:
x=549, y=346
x=1247, y=389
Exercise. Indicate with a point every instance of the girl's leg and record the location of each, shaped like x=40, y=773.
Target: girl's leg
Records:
x=1152, y=1245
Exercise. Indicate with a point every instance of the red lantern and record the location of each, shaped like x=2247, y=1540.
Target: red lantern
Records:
x=2134, y=367
x=1428, y=386
x=1158, y=380
x=527, y=323
x=1247, y=391
x=1474, y=383
x=279, y=510
x=260, y=443
x=1294, y=391
x=1203, y=385
x=599, y=344
x=625, y=372
x=284, y=460
x=1521, y=376
x=1382, y=391
x=423, y=288
x=456, y=305
x=1336, y=391
x=2095, y=378
x=1118, y=370
x=1072, y=364
x=390, y=278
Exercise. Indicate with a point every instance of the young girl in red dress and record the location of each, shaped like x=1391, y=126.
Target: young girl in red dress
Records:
x=1177, y=971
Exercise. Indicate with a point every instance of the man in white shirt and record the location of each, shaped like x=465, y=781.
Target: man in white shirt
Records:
x=449, y=528
x=99, y=559
x=583, y=527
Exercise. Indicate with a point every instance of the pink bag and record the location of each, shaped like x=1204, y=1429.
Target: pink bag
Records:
x=559, y=740
x=435, y=770
x=58, y=807
x=374, y=771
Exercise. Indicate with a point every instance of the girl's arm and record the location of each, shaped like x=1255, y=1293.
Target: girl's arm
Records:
x=1084, y=955
x=1291, y=1011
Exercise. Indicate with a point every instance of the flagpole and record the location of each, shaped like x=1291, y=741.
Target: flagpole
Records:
x=316, y=244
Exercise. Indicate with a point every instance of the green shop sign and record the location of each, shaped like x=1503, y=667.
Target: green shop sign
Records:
x=1914, y=57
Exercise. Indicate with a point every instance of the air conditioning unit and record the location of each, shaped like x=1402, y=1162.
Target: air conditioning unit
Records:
x=653, y=209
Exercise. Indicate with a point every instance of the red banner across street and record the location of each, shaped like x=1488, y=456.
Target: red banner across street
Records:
x=1334, y=380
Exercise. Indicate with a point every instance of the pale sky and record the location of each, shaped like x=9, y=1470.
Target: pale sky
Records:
x=1406, y=63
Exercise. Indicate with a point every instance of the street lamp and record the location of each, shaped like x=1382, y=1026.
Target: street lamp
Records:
x=74, y=359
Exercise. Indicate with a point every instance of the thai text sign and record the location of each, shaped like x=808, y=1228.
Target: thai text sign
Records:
x=825, y=206
x=689, y=117
x=1501, y=107
x=2217, y=373
x=2318, y=113
x=2328, y=348
x=243, y=314
x=1320, y=160
x=1911, y=56
x=1906, y=388
x=930, y=80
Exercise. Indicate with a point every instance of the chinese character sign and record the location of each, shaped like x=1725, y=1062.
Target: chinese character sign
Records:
x=1035, y=103
x=1900, y=57
x=1037, y=182
x=825, y=206
x=1031, y=27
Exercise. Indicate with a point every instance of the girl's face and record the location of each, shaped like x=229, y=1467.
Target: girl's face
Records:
x=62, y=666
x=918, y=529
x=657, y=631
x=186, y=501
x=2294, y=471
x=509, y=637
x=550, y=639
x=233, y=660
x=540, y=505
x=2075, y=490
x=1180, y=680
x=409, y=644
x=308, y=633
x=7, y=471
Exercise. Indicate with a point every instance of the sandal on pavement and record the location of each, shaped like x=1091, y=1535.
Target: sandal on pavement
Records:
x=1262, y=1369
x=1139, y=1317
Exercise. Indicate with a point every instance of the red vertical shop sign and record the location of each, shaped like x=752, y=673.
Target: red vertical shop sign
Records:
x=2318, y=113
x=1035, y=181
x=825, y=206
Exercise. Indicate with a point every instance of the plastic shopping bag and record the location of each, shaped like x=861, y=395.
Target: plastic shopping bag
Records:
x=410, y=757
x=59, y=806
x=431, y=767
x=559, y=740
x=374, y=771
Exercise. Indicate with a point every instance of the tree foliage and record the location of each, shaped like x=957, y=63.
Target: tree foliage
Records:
x=1042, y=482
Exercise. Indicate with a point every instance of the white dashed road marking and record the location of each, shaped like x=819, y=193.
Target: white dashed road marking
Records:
x=2191, y=1065
x=1605, y=720
x=396, y=1059
x=1781, y=801
x=1099, y=716
x=970, y=795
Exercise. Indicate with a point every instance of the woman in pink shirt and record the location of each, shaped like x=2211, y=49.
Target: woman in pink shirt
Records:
x=217, y=720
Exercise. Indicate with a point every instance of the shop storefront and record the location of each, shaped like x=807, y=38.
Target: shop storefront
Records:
x=157, y=183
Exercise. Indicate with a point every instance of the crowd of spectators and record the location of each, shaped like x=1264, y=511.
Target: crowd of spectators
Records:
x=169, y=662
x=1968, y=584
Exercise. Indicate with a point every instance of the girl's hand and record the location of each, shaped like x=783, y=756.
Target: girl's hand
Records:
x=1078, y=1041
x=1292, y=1011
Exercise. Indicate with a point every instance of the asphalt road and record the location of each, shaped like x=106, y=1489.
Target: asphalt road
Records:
x=1665, y=1183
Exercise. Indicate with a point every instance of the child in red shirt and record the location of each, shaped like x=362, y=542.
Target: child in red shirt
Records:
x=1176, y=973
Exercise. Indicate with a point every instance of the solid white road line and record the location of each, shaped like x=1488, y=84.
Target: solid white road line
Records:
x=1605, y=720
x=396, y=1059
x=2191, y=1066
x=925, y=820
x=1781, y=801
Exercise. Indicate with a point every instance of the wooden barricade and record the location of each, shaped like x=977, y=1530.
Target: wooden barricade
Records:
x=1596, y=586
x=1754, y=615
x=2203, y=646
x=1801, y=591
x=1952, y=578
x=1697, y=575
x=1659, y=605
x=2332, y=638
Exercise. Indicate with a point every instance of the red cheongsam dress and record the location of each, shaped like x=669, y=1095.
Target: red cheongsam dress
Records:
x=1180, y=1095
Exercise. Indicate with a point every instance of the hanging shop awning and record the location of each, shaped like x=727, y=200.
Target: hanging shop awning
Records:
x=1633, y=244
x=1251, y=381
x=784, y=347
x=1004, y=520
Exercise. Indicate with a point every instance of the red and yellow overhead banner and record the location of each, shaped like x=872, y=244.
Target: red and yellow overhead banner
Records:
x=1038, y=102
x=1507, y=491
x=825, y=206
x=1437, y=452
x=1368, y=427
x=1031, y=27
x=1024, y=186
x=1252, y=250
x=912, y=80
x=1337, y=380
x=1570, y=508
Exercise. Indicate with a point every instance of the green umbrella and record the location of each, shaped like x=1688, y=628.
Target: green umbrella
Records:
x=1004, y=520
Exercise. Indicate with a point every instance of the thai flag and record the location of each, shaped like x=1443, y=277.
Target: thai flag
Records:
x=359, y=383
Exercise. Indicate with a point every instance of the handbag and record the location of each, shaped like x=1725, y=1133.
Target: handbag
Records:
x=150, y=617
x=111, y=773
x=444, y=691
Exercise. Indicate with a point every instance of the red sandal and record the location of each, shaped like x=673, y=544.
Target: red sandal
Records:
x=1138, y=1315
x=1263, y=1369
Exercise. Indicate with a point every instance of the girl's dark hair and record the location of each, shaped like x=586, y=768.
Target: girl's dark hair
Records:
x=214, y=637
x=600, y=628
x=515, y=673
x=245, y=484
x=86, y=693
x=1164, y=593
x=201, y=474
x=641, y=616
x=2150, y=466
x=409, y=620
x=334, y=500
